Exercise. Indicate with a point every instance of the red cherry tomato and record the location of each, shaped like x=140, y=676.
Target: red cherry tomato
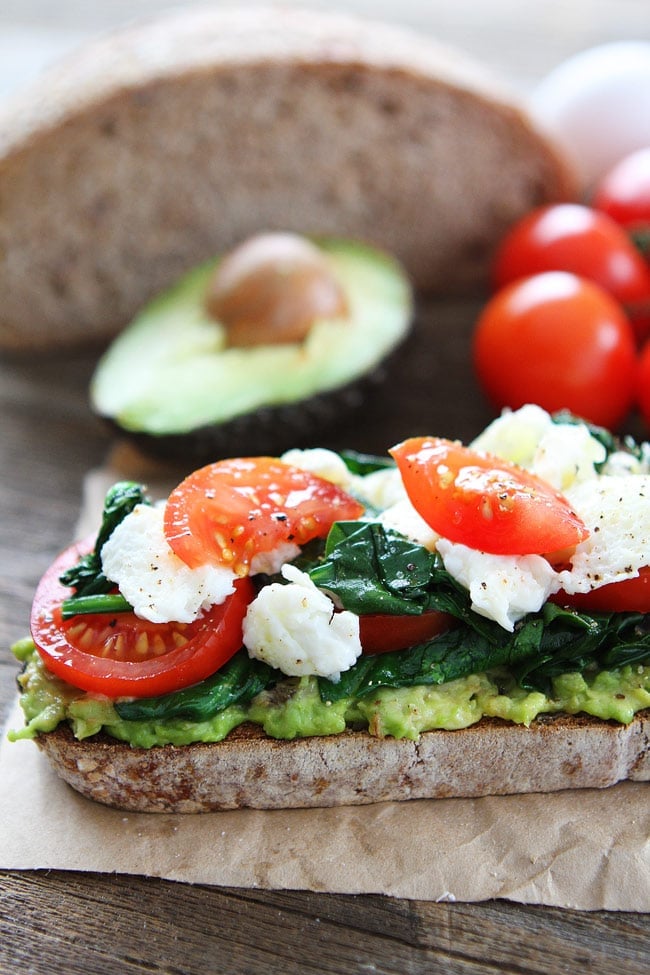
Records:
x=485, y=502
x=383, y=632
x=559, y=341
x=643, y=384
x=120, y=655
x=232, y=510
x=624, y=192
x=586, y=242
x=627, y=596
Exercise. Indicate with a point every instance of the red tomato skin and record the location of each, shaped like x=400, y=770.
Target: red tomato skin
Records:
x=484, y=502
x=627, y=596
x=229, y=511
x=213, y=641
x=624, y=192
x=561, y=342
x=575, y=238
x=643, y=384
x=383, y=632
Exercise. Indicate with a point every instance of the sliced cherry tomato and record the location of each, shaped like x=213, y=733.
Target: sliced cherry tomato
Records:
x=643, y=384
x=383, y=632
x=484, y=502
x=120, y=655
x=575, y=238
x=559, y=341
x=624, y=192
x=232, y=510
x=627, y=596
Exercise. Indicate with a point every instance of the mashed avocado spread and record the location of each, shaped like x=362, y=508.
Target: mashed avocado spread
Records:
x=294, y=708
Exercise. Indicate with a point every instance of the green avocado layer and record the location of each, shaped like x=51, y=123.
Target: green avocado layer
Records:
x=294, y=707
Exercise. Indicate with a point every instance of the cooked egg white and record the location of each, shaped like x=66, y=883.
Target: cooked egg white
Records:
x=616, y=510
x=159, y=586
x=294, y=627
x=503, y=588
x=560, y=453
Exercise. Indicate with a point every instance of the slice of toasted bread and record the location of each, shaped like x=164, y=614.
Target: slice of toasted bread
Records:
x=165, y=143
x=249, y=769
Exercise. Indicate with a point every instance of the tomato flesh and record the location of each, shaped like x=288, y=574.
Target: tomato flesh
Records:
x=383, y=632
x=234, y=509
x=627, y=596
x=484, y=502
x=121, y=655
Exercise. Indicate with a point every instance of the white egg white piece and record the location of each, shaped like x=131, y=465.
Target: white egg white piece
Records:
x=560, y=453
x=149, y=574
x=294, y=627
x=503, y=588
x=616, y=510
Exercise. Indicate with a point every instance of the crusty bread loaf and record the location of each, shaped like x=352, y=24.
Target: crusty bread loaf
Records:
x=162, y=144
x=250, y=769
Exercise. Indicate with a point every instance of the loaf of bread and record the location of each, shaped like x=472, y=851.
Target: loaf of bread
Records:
x=164, y=143
x=249, y=769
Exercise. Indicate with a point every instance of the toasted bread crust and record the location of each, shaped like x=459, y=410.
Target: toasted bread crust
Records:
x=164, y=144
x=249, y=769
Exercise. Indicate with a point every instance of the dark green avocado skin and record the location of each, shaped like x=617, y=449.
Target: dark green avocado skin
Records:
x=267, y=431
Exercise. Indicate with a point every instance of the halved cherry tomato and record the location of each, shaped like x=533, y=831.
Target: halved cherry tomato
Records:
x=578, y=239
x=232, y=510
x=384, y=632
x=626, y=596
x=484, y=502
x=559, y=341
x=120, y=655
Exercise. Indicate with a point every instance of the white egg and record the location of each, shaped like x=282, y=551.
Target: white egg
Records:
x=597, y=106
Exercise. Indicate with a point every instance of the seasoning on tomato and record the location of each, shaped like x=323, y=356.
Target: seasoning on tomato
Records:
x=484, y=502
x=121, y=655
x=232, y=510
x=561, y=342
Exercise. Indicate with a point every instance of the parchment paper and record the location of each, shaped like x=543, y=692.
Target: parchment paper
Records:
x=586, y=850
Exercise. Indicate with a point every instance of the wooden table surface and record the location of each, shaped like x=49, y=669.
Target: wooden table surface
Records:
x=72, y=923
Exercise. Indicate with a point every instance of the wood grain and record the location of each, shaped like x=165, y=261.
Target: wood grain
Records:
x=70, y=923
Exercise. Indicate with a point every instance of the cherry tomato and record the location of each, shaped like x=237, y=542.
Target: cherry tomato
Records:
x=624, y=192
x=120, y=655
x=485, y=502
x=643, y=384
x=586, y=242
x=383, y=632
x=232, y=510
x=559, y=341
x=627, y=596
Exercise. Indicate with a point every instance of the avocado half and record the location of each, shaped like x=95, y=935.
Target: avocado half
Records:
x=172, y=384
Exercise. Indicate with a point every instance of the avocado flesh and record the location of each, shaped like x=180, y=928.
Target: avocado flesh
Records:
x=171, y=373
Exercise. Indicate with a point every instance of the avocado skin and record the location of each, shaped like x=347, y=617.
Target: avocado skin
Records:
x=269, y=430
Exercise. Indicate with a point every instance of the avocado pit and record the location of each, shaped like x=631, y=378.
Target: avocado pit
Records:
x=271, y=289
